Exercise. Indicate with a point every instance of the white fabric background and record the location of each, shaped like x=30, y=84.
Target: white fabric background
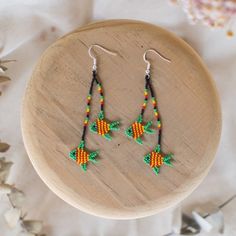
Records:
x=27, y=27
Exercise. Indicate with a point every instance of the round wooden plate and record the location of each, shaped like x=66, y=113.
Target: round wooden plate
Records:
x=121, y=185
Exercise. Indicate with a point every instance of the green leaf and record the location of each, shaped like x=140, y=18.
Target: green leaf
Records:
x=101, y=115
x=167, y=160
x=129, y=132
x=149, y=123
x=93, y=127
x=140, y=119
x=84, y=167
x=73, y=154
x=156, y=170
x=147, y=158
x=168, y=157
x=81, y=144
x=149, y=131
x=93, y=160
x=147, y=128
x=92, y=155
x=107, y=136
x=168, y=163
x=158, y=148
x=114, y=125
x=139, y=140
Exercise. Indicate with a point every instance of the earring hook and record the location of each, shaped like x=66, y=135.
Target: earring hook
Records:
x=93, y=56
x=149, y=63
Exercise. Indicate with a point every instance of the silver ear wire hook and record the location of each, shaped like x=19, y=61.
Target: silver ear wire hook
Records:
x=93, y=56
x=149, y=63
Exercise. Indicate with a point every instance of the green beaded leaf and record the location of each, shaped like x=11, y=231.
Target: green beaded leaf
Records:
x=147, y=128
x=84, y=167
x=93, y=127
x=156, y=170
x=101, y=115
x=140, y=119
x=147, y=158
x=107, y=136
x=92, y=156
x=114, y=126
x=139, y=141
x=129, y=132
x=81, y=144
x=158, y=148
x=73, y=154
x=167, y=159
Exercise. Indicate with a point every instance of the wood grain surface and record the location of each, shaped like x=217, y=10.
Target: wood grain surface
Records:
x=121, y=185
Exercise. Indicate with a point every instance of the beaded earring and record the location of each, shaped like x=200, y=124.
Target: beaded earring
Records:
x=100, y=126
x=155, y=159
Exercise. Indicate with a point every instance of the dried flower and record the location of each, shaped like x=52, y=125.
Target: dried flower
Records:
x=5, y=167
x=213, y=13
x=5, y=189
x=12, y=216
x=3, y=68
x=4, y=146
x=32, y=226
x=17, y=197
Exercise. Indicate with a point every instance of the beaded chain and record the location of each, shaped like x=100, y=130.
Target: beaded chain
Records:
x=79, y=154
x=100, y=126
x=155, y=159
x=89, y=98
x=148, y=85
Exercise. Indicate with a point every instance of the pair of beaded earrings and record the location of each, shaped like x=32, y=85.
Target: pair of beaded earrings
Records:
x=156, y=158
